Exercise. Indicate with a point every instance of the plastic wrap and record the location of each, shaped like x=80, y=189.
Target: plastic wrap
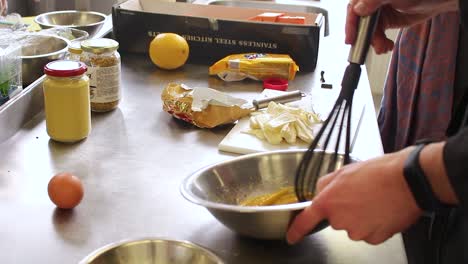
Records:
x=203, y=107
x=257, y=66
x=10, y=67
x=13, y=22
x=71, y=34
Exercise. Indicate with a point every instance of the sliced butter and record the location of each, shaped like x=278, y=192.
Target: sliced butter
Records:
x=280, y=122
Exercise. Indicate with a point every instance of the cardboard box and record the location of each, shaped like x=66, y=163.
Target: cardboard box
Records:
x=215, y=31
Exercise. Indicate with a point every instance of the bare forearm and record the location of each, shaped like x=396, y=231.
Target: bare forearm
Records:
x=3, y=7
x=432, y=162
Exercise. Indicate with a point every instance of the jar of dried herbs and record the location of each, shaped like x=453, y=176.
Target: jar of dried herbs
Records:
x=103, y=61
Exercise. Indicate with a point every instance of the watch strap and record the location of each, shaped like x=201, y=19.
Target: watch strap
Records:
x=418, y=183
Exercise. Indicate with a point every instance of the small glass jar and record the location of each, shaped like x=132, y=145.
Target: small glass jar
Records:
x=66, y=101
x=103, y=61
x=75, y=51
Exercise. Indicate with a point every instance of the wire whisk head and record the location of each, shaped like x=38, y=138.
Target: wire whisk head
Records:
x=330, y=149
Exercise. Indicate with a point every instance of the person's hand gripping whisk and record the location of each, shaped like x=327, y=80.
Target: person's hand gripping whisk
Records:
x=334, y=135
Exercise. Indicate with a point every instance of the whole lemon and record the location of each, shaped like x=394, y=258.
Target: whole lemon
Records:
x=169, y=51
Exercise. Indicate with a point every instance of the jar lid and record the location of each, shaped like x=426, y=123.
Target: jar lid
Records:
x=65, y=68
x=98, y=46
x=275, y=84
x=75, y=48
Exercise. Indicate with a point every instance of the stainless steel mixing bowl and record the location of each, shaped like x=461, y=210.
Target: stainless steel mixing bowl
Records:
x=152, y=251
x=37, y=51
x=88, y=21
x=72, y=34
x=221, y=186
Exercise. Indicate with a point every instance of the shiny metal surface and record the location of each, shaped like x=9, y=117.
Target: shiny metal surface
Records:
x=16, y=112
x=303, y=7
x=19, y=110
x=37, y=51
x=284, y=98
x=88, y=21
x=131, y=166
x=152, y=251
x=37, y=7
x=366, y=28
x=72, y=34
x=134, y=161
x=221, y=187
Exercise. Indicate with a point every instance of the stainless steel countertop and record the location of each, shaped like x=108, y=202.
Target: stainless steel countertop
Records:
x=21, y=108
x=131, y=167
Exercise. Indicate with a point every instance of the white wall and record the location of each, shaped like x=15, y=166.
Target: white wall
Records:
x=377, y=66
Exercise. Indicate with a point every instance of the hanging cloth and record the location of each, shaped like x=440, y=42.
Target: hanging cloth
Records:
x=418, y=91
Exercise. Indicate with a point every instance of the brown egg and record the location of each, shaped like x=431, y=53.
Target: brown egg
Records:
x=65, y=190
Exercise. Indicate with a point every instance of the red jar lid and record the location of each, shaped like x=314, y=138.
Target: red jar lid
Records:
x=65, y=68
x=275, y=84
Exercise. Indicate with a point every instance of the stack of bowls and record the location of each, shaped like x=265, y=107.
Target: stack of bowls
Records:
x=88, y=21
x=38, y=50
x=61, y=28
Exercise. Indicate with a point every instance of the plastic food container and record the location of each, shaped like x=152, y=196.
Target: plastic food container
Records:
x=10, y=69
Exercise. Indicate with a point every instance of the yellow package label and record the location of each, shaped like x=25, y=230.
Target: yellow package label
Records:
x=258, y=66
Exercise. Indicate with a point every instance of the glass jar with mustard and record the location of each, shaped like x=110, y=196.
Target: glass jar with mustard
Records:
x=66, y=101
x=103, y=61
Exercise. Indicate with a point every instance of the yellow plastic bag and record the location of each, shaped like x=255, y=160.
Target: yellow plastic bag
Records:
x=257, y=66
x=178, y=100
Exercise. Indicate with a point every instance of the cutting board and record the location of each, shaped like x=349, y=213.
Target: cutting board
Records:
x=236, y=141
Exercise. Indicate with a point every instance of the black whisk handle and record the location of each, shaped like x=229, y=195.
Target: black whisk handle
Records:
x=321, y=225
x=350, y=80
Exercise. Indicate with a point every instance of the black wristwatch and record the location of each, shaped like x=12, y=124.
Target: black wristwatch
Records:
x=418, y=182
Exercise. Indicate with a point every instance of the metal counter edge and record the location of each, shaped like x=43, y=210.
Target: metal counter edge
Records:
x=15, y=113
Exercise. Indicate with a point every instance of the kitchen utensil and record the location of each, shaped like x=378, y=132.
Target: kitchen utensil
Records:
x=152, y=250
x=312, y=166
x=222, y=186
x=72, y=34
x=88, y=21
x=258, y=104
x=208, y=108
x=239, y=142
x=38, y=50
x=282, y=99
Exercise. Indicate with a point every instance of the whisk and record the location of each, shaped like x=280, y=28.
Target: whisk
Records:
x=316, y=163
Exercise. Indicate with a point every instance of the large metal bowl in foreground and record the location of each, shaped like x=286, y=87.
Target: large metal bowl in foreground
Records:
x=150, y=251
x=88, y=21
x=220, y=188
